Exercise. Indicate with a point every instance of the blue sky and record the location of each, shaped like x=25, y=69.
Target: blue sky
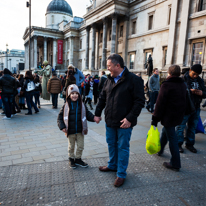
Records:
x=14, y=18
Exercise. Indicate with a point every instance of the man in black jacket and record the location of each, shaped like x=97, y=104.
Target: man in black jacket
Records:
x=123, y=96
x=197, y=92
x=8, y=84
x=102, y=81
x=170, y=109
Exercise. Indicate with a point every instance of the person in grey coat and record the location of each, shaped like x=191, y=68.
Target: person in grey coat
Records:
x=154, y=87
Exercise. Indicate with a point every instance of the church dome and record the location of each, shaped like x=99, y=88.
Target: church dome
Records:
x=59, y=6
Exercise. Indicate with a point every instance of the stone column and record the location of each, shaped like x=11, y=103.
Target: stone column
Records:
x=93, y=46
x=35, y=52
x=54, y=53
x=114, y=28
x=172, y=29
x=66, y=52
x=87, y=47
x=104, y=44
x=183, y=32
x=71, y=50
x=125, y=39
x=45, y=48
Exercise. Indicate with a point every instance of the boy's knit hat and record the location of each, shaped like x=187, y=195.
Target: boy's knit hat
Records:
x=72, y=88
x=197, y=68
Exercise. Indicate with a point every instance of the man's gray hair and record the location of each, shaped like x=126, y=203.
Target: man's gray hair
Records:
x=116, y=59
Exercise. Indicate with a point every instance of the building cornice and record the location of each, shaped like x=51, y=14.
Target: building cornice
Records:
x=149, y=32
x=197, y=14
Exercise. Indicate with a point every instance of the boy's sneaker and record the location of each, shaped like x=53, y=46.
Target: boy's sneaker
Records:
x=6, y=117
x=81, y=163
x=72, y=163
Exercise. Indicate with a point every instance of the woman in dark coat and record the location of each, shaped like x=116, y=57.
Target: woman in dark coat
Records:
x=29, y=88
x=95, y=89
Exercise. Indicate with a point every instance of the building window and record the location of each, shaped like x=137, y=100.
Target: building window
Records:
x=110, y=35
x=101, y=37
x=150, y=25
x=134, y=27
x=81, y=44
x=52, y=19
x=197, y=53
x=169, y=14
x=64, y=18
x=21, y=60
x=164, y=55
x=121, y=31
x=131, y=61
x=202, y=5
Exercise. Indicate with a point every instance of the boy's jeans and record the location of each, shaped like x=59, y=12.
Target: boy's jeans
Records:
x=79, y=139
x=118, y=146
x=191, y=120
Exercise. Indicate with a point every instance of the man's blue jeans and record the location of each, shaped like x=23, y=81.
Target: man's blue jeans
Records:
x=191, y=120
x=118, y=145
x=7, y=100
x=168, y=134
x=153, y=98
x=54, y=100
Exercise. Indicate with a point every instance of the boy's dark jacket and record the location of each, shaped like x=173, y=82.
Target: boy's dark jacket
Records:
x=195, y=98
x=125, y=99
x=171, y=102
x=75, y=122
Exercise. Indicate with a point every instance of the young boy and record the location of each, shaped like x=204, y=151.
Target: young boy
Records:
x=72, y=120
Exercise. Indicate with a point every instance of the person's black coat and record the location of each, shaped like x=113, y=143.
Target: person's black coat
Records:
x=195, y=98
x=171, y=102
x=101, y=83
x=75, y=122
x=87, y=88
x=125, y=99
x=95, y=88
x=8, y=84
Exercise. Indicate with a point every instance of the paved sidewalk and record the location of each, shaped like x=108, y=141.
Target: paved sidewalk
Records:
x=34, y=167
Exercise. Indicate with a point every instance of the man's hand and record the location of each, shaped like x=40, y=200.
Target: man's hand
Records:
x=97, y=119
x=125, y=123
x=64, y=130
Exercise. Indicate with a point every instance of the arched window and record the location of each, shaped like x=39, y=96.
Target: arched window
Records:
x=52, y=19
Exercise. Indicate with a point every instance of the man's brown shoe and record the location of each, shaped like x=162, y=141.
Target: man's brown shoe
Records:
x=119, y=182
x=106, y=169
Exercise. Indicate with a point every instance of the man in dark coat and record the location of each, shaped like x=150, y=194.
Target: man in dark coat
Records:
x=8, y=84
x=102, y=81
x=170, y=109
x=123, y=96
x=197, y=92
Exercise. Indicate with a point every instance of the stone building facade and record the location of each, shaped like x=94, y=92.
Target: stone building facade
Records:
x=172, y=31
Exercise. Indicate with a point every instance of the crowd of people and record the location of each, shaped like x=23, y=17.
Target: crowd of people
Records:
x=175, y=103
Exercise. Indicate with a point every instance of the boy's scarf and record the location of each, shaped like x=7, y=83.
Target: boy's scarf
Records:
x=83, y=118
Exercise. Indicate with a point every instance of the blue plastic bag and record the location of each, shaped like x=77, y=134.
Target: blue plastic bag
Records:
x=200, y=128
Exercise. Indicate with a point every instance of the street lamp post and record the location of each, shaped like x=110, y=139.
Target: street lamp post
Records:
x=28, y=4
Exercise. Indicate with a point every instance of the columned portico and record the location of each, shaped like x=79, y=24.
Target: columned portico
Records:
x=35, y=52
x=71, y=50
x=66, y=52
x=93, y=46
x=172, y=30
x=54, y=53
x=114, y=28
x=104, y=45
x=45, y=48
x=87, y=48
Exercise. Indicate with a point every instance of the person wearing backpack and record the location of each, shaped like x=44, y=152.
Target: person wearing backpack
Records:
x=29, y=88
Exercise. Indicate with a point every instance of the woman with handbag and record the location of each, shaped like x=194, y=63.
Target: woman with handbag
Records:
x=29, y=88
